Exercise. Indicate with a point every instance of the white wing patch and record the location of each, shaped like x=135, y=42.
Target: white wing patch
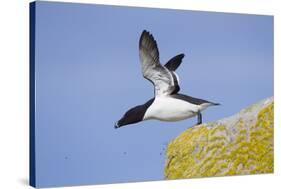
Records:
x=177, y=76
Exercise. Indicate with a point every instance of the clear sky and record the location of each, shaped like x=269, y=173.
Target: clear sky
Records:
x=88, y=74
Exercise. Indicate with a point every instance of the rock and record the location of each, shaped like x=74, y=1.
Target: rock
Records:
x=240, y=144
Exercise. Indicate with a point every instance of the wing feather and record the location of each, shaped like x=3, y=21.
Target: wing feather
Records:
x=165, y=81
x=174, y=62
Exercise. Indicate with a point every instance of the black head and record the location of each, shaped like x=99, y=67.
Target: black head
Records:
x=134, y=115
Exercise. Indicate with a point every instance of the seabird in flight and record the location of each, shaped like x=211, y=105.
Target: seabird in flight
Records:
x=167, y=104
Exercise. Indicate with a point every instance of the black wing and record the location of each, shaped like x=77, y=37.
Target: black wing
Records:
x=174, y=62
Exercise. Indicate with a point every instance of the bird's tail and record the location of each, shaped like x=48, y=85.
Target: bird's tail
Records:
x=215, y=104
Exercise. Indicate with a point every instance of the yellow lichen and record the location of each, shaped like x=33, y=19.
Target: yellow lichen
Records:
x=206, y=150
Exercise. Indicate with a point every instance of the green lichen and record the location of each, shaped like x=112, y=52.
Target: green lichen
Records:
x=206, y=150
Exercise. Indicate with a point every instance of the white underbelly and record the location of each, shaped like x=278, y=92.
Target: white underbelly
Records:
x=170, y=109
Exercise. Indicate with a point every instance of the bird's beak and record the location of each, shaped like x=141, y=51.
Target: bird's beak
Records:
x=116, y=126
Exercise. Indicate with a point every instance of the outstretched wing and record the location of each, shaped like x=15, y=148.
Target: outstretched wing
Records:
x=162, y=79
x=174, y=62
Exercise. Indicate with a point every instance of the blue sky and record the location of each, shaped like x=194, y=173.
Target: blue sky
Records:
x=88, y=74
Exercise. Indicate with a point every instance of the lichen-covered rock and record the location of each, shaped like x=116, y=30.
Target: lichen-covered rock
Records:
x=240, y=144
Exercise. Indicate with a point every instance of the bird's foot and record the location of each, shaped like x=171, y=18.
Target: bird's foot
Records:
x=199, y=123
x=199, y=118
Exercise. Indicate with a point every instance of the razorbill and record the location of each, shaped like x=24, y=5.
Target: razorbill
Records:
x=167, y=104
